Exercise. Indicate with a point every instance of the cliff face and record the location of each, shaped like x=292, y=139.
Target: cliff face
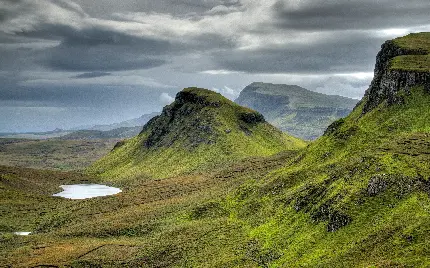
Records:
x=392, y=74
x=298, y=111
x=264, y=103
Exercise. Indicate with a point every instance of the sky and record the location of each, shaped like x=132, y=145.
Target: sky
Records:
x=72, y=63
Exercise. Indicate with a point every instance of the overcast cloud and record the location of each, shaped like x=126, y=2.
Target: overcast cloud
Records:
x=66, y=63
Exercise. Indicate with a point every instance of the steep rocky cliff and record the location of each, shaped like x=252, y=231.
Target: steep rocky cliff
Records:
x=401, y=64
x=298, y=111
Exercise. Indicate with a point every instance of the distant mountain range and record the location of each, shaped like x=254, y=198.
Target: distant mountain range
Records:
x=140, y=121
x=296, y=110
x=125, y=129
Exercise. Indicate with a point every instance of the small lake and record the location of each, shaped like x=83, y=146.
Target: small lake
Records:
x=83, y=191
x=22, y=233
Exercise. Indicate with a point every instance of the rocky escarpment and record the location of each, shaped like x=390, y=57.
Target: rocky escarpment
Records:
x=264, y=103
x=296, y=110
x=389, y=80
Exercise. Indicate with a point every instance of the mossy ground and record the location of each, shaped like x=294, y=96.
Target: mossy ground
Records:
x=357, y=197
x=419, y=42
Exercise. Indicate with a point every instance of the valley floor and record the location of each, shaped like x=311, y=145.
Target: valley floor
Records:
x=132, y=228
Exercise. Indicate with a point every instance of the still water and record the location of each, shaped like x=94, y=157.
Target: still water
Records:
x=83, y=191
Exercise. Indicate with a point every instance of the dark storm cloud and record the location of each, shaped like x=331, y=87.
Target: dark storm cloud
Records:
x=103, y=50
x=347, y=53
x=104, y=45
x=83, y=46
x=15, y=59
x=91, y=75
x=341, y=14
x=3, y=15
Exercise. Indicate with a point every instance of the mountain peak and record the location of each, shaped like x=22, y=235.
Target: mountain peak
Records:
x=199, y=129
x=200, y=96
x=197, y=116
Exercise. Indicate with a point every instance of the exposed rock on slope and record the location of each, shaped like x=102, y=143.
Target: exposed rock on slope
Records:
x=296, y=110
x=402, y=63
x=199, y=129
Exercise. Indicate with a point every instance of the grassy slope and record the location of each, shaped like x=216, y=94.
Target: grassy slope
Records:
x=25, y=195
x=138, y=225
x=357, y=197
x=390, y=228
x=132, y=159
x=417, y=63
x=268, y=212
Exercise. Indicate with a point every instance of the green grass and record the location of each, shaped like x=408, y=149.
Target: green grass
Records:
x=418, y=42
x=181, y=146
x=25, y=195
x=300, y=203
x=144, y=219
x=356, y=197
x=264, y=212
x=418, y=63
x=415, y=41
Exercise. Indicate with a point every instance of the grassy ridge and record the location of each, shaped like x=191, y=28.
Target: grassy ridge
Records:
x=190, y=136
x=358, y=197
x=370, y=187
x=418, y=42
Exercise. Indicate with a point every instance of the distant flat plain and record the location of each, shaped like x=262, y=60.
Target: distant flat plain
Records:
x=53, y=154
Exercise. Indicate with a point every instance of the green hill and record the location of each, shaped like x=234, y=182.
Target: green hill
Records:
x=298, y=111
x=200, y=129
x=359, y=196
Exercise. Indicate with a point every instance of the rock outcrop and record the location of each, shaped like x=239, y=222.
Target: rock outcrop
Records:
x=389, y=80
